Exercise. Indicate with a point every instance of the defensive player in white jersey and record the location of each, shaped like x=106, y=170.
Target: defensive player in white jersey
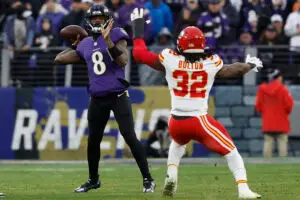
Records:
x=190, y=73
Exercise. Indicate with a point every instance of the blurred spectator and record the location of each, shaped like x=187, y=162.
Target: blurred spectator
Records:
x=114, y=6
x=272, y=56
x=262, y=12
x=76, y=15
x=123, y=19
x=280, y=7
x=175, y=6
x=98, y=1
x=252, y=24
x=292, y=30
x=161, y=15
x=233, y=19
x=86, y=4
x=12, y=6
x=237, y=4
x=245, y=38
x=55, y=12
x=296, y=6
x=275, y=104
x=270, y=36
x=65, y=3
x=19, y=29
x=196, y=8
x=277, y=22
x=236, y=52
x=213, y=23
x=46, y=38
x=188, y=16
x=161, y=135
x=149, y=76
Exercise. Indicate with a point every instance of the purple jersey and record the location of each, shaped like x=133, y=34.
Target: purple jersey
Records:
x=105, y=76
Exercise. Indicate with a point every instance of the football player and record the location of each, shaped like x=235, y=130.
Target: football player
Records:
x=190, y=73
x=106, y=55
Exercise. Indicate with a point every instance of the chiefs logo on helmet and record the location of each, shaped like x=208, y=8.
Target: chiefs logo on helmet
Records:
x=191, y=40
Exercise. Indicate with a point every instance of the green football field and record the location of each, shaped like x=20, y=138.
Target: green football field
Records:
x=123, y=182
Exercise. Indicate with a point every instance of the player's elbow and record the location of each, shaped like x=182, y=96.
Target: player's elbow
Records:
x=58, y=59
x=124, y=61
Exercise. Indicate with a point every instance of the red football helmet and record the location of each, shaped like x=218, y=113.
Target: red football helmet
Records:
x=191, y=40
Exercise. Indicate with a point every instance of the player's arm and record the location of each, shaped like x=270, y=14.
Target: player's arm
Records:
x=234, y=70
x=68, y=56
x=118, y=52
x=141, y=54
x=239, y=69
x=140, y=51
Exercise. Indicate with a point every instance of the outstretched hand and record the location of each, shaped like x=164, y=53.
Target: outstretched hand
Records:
x=106, y=31
x=137, y=13
x=255, y=62
x=137, y=20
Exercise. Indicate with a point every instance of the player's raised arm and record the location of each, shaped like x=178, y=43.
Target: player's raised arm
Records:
x=239, y=69
x=118, y=52
x=140, y=51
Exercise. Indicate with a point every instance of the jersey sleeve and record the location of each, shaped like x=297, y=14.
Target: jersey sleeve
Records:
x=163, y=56
x=217, y=60
x=118, y=34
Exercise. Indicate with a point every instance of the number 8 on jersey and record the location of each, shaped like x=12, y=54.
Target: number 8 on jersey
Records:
x=99, y=65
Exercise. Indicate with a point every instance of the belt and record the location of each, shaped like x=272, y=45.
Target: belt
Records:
x=181, y=117
x=113, y=95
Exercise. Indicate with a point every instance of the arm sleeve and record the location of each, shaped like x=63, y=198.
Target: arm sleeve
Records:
x=119, y=34
x=142, y=54
x=218, y=61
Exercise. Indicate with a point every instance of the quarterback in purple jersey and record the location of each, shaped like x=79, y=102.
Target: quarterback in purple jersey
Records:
x=105, y=54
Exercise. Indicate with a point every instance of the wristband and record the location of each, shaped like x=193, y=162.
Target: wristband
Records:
x=138, y=28
x=251, y=65
x=114, y=52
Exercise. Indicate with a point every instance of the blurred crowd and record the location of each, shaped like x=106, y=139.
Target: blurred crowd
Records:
x=30, y=23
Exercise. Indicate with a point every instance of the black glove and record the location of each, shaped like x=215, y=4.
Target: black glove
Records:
x=137, y=20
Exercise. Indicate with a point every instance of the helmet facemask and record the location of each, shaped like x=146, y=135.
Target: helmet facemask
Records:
x=95, y=28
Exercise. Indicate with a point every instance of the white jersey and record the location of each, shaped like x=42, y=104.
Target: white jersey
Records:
x=189, y=83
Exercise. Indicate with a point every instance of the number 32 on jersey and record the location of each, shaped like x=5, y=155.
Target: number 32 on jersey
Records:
x=195, y=90
x=99, y=65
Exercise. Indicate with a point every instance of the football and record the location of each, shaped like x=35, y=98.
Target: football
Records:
x=70, y=32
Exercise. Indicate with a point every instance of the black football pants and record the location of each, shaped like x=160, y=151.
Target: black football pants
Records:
x=98, y=115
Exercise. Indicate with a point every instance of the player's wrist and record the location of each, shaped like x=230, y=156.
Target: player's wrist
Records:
x=138, y=28
x=109, y=43
x=114, y=52
x=252, y=66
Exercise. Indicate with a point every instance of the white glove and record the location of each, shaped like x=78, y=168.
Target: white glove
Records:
x=137, y=13
x=254, y=62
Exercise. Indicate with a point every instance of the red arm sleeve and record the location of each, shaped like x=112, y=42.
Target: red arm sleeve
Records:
x=142, y=55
